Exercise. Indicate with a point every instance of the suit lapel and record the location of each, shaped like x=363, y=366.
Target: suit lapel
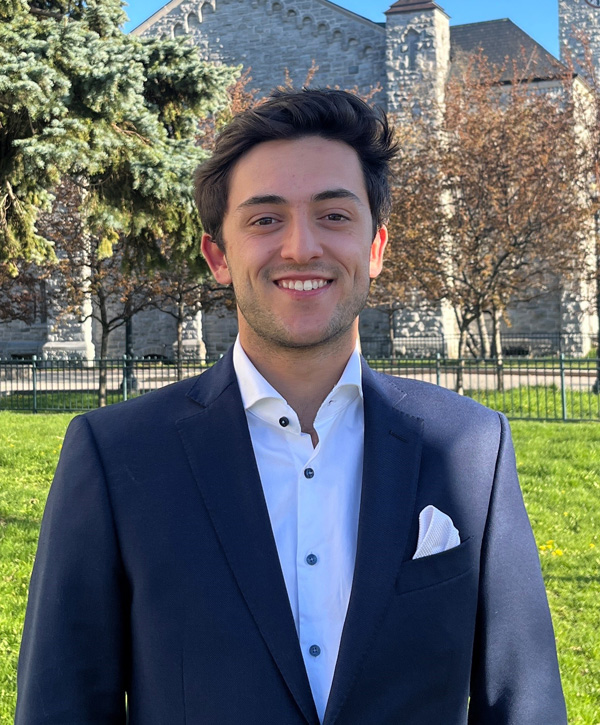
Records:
x=392, y=455
x=219, y=449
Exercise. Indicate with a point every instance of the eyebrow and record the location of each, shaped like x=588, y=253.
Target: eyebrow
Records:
x=337, y=194
x=260, y=199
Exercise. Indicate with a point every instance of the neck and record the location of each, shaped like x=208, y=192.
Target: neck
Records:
x=303, y=376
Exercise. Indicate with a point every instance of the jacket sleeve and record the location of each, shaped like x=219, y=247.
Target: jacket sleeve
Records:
x=515, y=677
x=72, y=664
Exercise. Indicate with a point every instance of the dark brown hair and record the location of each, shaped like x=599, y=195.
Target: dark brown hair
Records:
x=291, y=114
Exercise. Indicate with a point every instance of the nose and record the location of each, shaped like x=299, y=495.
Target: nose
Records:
x=301, y=241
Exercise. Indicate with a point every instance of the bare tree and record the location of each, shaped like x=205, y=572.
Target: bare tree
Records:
x=23, y=297
x=587, y=109
x=496, y=214
x=93, y=277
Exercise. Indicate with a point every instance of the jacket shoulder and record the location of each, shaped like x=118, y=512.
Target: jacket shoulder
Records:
x=426, y=400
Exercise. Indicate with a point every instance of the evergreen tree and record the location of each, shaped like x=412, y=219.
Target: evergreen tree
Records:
x=116, y=113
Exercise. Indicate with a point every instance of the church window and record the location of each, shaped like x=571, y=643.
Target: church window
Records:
x=412, y=40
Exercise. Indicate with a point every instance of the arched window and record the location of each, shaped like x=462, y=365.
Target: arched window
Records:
x=412, y=40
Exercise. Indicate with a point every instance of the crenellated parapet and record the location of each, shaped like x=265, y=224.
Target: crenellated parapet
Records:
x=270, y=36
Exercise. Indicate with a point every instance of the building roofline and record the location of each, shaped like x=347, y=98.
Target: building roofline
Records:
x=512, y=22
x=417, y=5
x=161, y=12
x=559, y=64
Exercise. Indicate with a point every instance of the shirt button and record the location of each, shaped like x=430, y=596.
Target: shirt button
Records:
x=308, y=473
x=284, y=422
x=315, y=650
x=311, y=559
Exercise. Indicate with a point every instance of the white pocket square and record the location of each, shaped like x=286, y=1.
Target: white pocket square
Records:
x=437, y=533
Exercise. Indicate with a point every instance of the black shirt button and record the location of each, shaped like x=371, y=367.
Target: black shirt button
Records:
x=308, y=473
x=315, y=650
x=284, y=422
x=311, y=559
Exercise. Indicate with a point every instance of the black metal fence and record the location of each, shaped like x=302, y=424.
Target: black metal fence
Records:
x=551, y=388
x=517, y=345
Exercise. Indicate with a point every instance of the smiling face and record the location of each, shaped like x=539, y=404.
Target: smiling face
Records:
x=299, y=247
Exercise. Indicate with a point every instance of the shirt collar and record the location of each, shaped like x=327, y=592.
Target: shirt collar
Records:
x=259, y=396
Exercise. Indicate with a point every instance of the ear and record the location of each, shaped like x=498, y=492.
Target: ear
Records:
x=377, y=249
x=216, y=260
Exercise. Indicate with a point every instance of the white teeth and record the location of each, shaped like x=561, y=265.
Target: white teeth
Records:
x=301, y=285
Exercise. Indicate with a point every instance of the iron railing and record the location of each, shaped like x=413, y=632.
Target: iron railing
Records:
x=549, y=388
x=518, y=345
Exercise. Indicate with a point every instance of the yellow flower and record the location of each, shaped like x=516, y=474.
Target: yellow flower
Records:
x=557, y=552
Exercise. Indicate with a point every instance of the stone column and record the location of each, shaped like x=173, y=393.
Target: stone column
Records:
x=70, y=338
x=193, y=342
x=417, y=56
x=576, y=17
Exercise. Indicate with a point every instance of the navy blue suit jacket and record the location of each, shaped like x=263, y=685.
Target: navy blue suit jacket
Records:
x=157, y=574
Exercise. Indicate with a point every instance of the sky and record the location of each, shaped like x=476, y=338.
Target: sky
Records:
x=539, y=18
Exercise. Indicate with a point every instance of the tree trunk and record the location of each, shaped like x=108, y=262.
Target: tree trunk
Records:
x=130, y=380
x=596, y=386
x=497, y=315
x=102, y=369
x=391, y=316
x=180, y=321
x=484, y=340
x=105, y=327
x=460, y=368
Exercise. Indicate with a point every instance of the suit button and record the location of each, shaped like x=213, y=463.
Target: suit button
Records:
x=284, y=422
x=315, y=650
x=308, y=473
x=311, y=559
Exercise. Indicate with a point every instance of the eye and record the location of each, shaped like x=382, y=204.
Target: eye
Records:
x=335, y=217
x=264, y=221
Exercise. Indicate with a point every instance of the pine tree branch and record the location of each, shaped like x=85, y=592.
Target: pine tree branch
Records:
x=46, y=13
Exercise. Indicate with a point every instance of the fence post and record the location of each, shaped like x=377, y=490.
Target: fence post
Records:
x=34, y=382
x=125, y=372
x=563, y=388
x=438, y=372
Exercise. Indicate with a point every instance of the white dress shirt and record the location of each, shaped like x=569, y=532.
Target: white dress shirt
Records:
x=313, y=499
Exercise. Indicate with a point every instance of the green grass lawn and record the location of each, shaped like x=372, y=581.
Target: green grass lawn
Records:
x=559, y=466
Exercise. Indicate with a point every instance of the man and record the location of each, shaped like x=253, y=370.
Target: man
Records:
x=290, y=538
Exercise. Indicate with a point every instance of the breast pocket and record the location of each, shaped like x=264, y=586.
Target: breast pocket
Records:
x=430, y=571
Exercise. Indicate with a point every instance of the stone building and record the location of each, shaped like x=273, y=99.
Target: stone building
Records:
x=410, y=54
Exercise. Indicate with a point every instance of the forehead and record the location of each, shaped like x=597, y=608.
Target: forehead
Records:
x=296, y=169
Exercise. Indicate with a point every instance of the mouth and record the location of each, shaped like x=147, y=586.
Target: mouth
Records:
x=303, y=285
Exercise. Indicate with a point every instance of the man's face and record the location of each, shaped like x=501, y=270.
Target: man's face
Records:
x=299, y=247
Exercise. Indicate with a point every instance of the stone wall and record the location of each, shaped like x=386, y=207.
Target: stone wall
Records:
x=18, y=339
x=577, y=16
x=269, y=36
x=220, y=331
x=417, y=60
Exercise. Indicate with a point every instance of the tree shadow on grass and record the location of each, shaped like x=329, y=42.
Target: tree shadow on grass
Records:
x=28, y=523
